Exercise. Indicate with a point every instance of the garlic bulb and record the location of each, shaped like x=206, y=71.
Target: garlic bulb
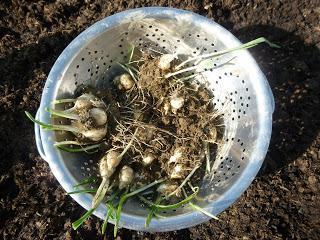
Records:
x=124, y=82
x=125, y=177
x=84, y=101
x=108, y=163
x=176, y=103
x=177, y=172
x=98, y=115
x=165, y=61
x=95, y=134
x=148, y=159
x=177, y=154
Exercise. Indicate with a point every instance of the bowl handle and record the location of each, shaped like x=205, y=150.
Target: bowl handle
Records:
x=38, y=138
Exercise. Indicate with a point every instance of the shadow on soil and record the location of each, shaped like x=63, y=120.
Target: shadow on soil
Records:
x=293, y=73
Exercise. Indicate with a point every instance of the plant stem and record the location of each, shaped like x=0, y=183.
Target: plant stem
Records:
x=131, y=51
x=198, y=208
x=243, y=46
x=85, y=181
x=61, y=145
x=171, y=206
x=83, y=191
x=207, y=156
x=124, y=198
x=63, y=114
x=184, y=182
x=128, y=145
x=80, y=221
x=52, y=127
x=103, y=188
x=109, y=214
x=66, y=100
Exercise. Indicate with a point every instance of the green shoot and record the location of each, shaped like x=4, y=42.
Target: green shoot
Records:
x=63, y=114
x=110, y=212
x=198, y=208
x=59, y=101
x=82, y=191
x=157, y=215
x=184, y=181
x=76, y=224
x=52, y=127
x=149, y=217
x=61, y=146
x=86, y=181
x=204, y=64
x=127, y=69
x=125, y=197
x=202, y=210
x=131, y=51
x=152, y=212
x=175, y=205
x=247, y=45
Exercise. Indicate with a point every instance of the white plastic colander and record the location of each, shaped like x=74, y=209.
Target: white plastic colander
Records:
x=241, y=89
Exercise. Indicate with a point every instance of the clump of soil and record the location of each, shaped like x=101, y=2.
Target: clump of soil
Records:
x=175, y=120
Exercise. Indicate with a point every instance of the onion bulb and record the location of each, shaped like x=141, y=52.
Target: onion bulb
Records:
x=124, y=82
x=176, y=103
x=84, y=101
x=95, y=134
x=98, y=115
x=125, y=177
x=165, y=61
x=148, y=159
x=177, y=154
x=108, y=163
x=177, y=172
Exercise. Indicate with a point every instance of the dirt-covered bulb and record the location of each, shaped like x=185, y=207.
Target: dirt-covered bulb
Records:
x=177, y=172
x=165, y=61
x=124, y=82
x=125, y=177
x=148, y=159
x=176, y=103
x=109, y=163
x=99, y=116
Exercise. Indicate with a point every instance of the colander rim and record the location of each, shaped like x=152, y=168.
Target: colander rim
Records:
x=135, y=222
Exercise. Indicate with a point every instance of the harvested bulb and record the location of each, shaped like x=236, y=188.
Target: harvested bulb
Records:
x=88, y=118
x=98, y=115
x=165, y=61
x=176, y=103
x=148, y=159
x=177, y=154
x=94, y=134
x=124, y=82
x=125, y=177
x=108, y=163
x=107, y=167
x=177, y=172
x=84, y=101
